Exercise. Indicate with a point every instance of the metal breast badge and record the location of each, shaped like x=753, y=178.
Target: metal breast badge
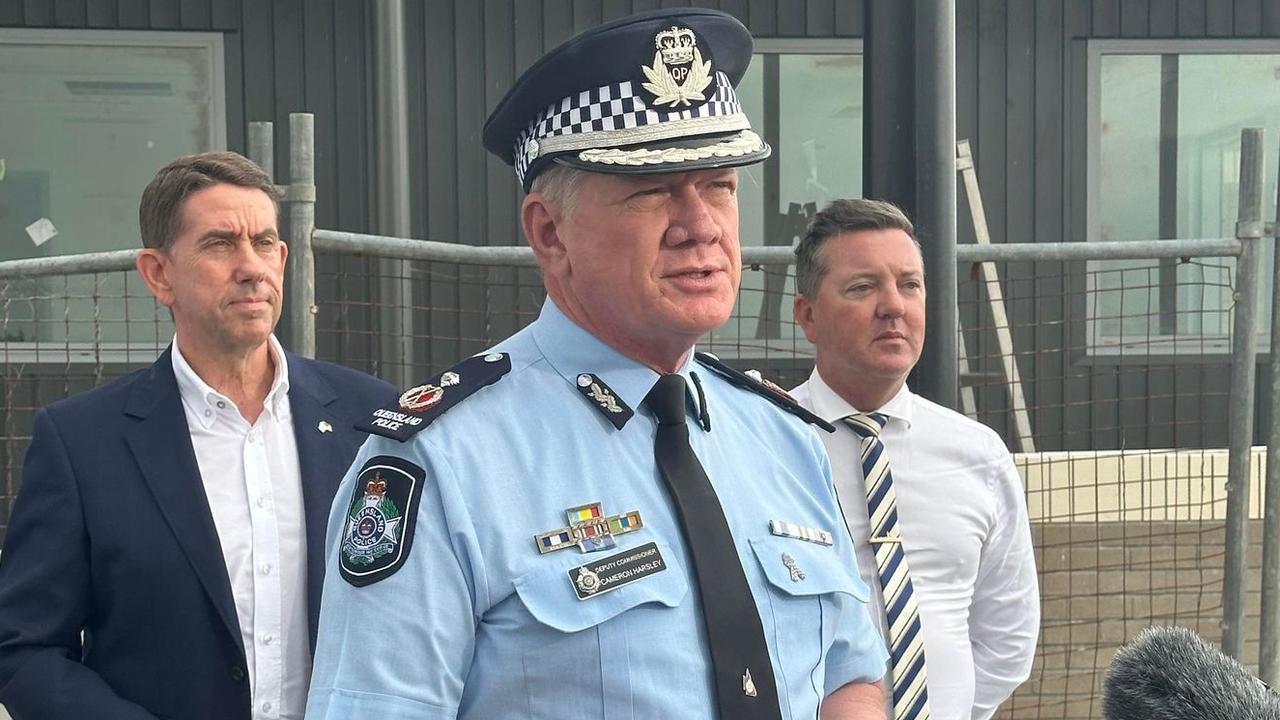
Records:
x=614, y=571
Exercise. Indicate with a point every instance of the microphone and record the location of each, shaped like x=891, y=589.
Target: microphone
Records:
x=1169, y=673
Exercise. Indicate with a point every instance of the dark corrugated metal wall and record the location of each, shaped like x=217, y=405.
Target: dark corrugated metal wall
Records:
x=1020, y=101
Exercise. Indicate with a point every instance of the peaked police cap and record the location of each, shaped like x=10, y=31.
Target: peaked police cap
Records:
x=649, y=93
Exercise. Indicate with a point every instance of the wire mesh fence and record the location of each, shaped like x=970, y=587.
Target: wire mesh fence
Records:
x=62, y=334
x=454, y=310
x=1125, y=401
x=1126, y=398
x=1126, y=479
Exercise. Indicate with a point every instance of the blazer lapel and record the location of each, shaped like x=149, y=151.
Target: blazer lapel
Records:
x=324, y=452
x=161, y=444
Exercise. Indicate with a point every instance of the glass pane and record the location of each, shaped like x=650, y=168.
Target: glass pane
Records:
x=817, y=157
x=1127, y=292
x=86, y=127
x=821, y=148
x=1208, y=116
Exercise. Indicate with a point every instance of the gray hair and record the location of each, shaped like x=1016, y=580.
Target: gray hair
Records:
x=843, y=216
x=559, y=185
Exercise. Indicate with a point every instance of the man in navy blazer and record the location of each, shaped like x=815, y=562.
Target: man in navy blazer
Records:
x=164, y=556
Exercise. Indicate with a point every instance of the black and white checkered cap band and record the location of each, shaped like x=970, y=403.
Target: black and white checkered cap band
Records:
x=615, y=115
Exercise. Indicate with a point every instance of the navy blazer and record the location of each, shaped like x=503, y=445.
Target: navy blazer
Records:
x=111, y=533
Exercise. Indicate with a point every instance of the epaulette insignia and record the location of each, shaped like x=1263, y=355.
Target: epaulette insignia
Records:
x=605, y=399
x=419, y=406
x=752, y=381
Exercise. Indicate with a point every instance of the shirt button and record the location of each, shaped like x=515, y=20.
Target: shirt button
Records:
x=237, y=673
x=208, y=413
x=266, y=707
x=222, y=405
x=262, y=502
x=268, y=639
x=266, y=569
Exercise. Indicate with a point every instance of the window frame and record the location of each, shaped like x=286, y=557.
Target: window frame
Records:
x=763, y=349
x=1162, y=345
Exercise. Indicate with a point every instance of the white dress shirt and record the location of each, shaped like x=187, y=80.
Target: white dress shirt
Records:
x=964, y=528
x=251, y=477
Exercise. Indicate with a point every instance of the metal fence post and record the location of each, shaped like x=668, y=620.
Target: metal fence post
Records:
x=262, y=148
x=1244, y=346
x=301, y=199
x=391, y=163
x=935, y=197
x=1269, y=633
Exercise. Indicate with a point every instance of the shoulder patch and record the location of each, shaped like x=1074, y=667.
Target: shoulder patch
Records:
x=752, y=381
x=378, y=532
x=419, y=406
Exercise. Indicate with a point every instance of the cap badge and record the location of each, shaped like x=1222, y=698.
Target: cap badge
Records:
x=678, y=75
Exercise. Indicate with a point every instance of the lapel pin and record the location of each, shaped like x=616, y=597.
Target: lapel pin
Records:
x=324, y=426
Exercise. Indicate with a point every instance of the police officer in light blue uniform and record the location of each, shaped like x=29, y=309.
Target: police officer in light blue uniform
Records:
x=592, y=520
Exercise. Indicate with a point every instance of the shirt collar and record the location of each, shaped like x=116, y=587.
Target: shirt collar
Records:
x=830, y=406
x=209, y=403
x=572, y=351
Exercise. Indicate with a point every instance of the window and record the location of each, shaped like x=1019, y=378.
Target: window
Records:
x=88, y=118
x=1164, y=139
x=804, y=97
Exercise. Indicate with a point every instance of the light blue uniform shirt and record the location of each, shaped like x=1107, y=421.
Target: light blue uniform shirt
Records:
x=478, y=624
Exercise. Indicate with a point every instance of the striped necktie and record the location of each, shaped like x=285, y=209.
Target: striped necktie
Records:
x=906, y=643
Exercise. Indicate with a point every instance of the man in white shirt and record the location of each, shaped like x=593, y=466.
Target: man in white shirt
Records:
x=164, y=554
x=961, y=519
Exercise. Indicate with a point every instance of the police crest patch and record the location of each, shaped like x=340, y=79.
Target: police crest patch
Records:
x=378, y=531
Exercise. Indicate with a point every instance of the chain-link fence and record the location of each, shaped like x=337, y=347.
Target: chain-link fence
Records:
x=1120, y=408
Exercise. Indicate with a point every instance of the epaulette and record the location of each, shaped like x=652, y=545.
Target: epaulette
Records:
x=419, y=406
x=752, y=381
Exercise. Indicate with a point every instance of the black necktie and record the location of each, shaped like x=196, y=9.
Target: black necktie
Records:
x=745, y=687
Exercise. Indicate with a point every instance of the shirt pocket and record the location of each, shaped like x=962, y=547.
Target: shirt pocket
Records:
x=574, y=641
x=809, y=587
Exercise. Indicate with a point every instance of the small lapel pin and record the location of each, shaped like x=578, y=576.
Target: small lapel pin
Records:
x=324, y=426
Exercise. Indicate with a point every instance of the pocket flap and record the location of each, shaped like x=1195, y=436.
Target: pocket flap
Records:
x=797, y=567
x=550, y=597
